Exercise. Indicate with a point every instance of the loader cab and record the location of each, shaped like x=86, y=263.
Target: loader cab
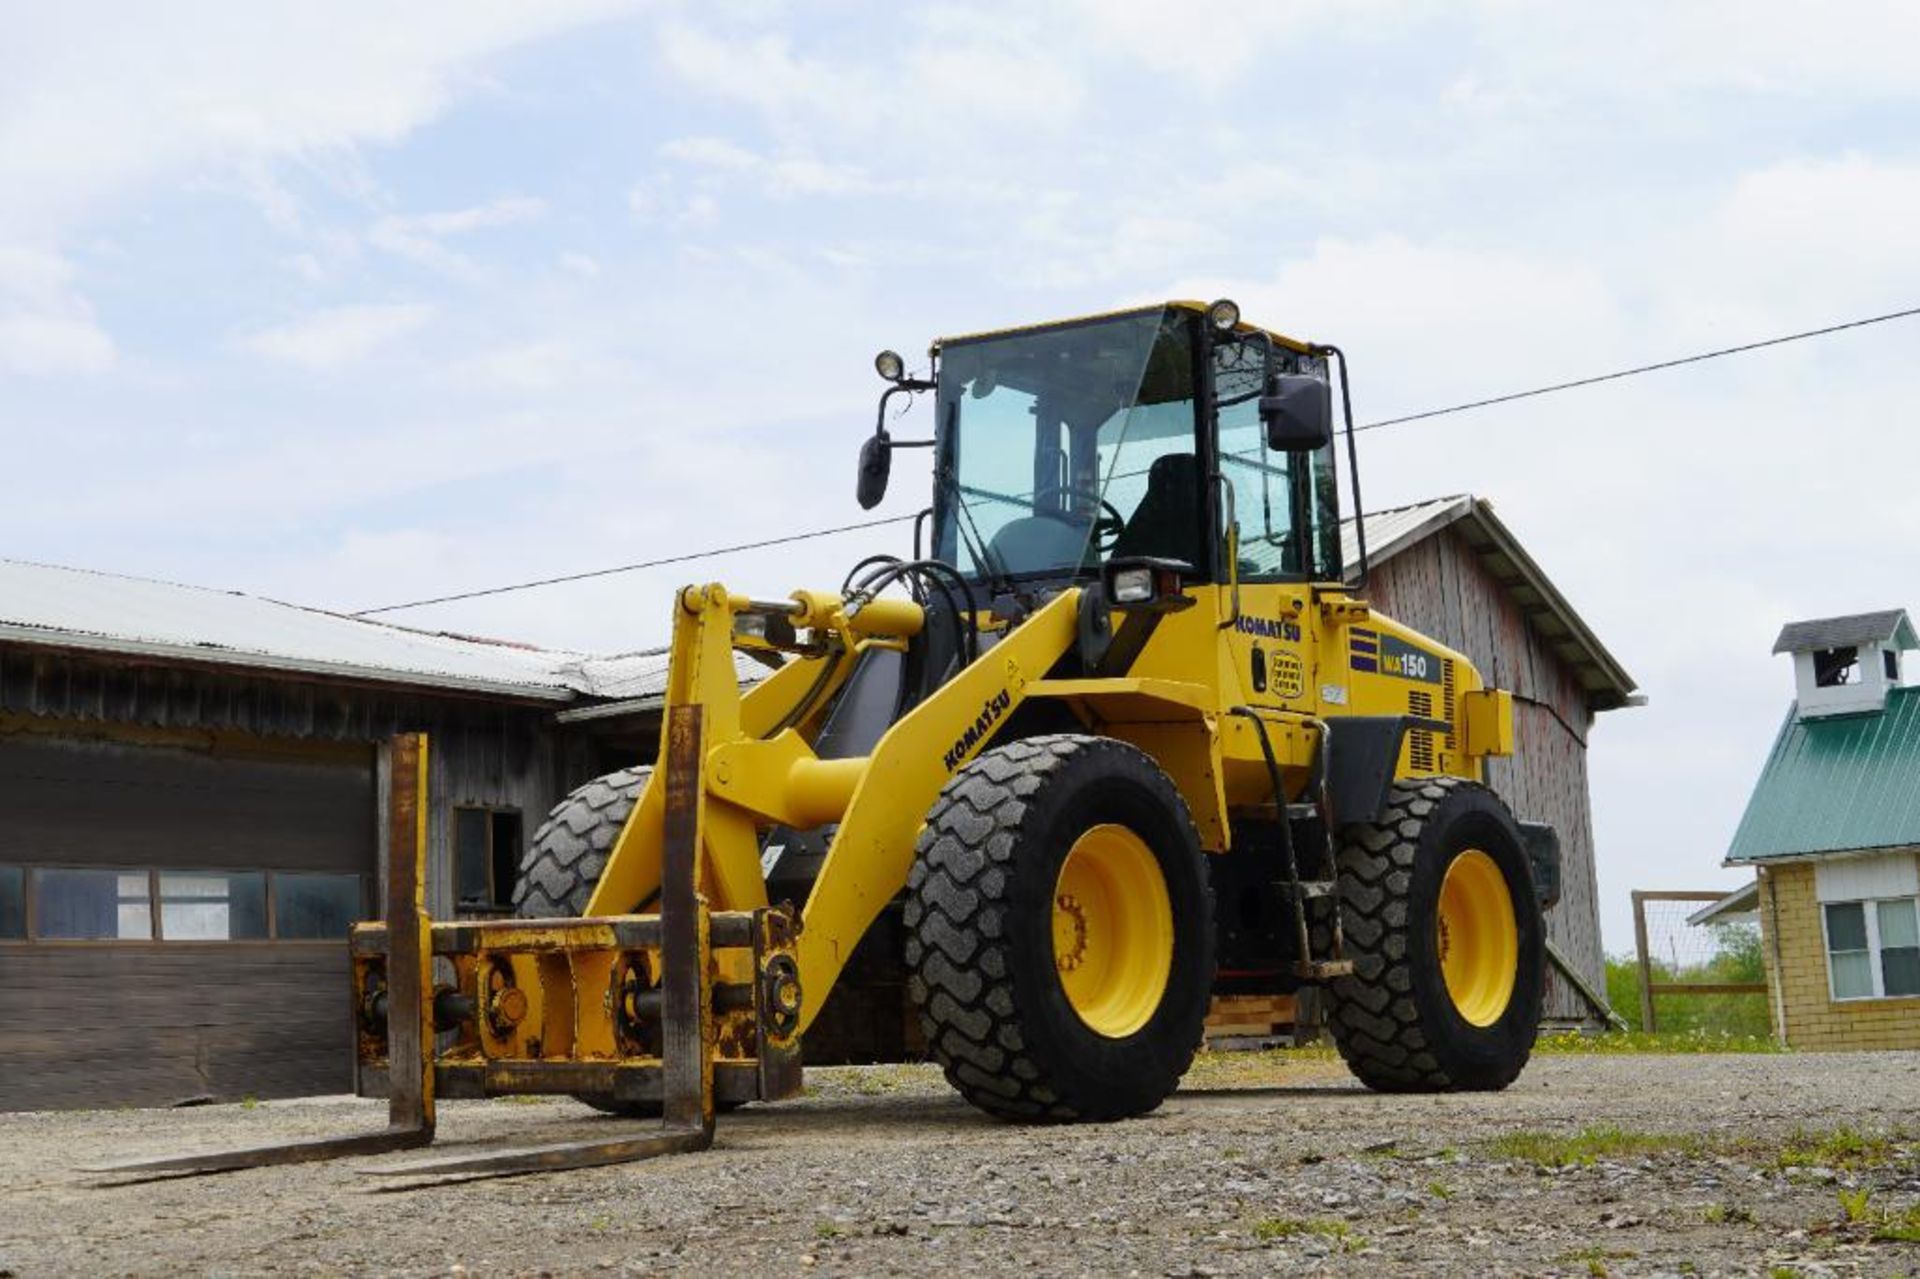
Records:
x=1142, y=434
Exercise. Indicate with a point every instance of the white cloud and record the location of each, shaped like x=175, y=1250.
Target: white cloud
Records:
x=47, y=328
x=583, y=265
x=712, y=153
x=419, y=237
x=207, y=84
x=332, y=338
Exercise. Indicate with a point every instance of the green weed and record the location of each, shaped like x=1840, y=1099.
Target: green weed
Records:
x=1589, y=1145
x=1271, y=1228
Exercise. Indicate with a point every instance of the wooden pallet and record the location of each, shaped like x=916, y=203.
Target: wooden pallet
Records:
x=1250, y=1017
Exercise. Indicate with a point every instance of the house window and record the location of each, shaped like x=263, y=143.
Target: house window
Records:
x=486, y=857
x=1873, y=948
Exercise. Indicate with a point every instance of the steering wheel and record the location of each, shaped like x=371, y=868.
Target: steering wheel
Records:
x=1106, y=528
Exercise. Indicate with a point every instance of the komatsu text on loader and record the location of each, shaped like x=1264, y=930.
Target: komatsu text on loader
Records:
x=1122, y=734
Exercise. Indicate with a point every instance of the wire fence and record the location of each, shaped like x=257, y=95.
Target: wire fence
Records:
x=1708, y=977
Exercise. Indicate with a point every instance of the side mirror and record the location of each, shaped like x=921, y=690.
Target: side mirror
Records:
x=1298, y=415
x=876, y=464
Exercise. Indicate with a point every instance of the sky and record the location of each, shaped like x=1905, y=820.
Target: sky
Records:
x=356, y=304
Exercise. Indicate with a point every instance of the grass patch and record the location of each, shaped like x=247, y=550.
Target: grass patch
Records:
x=1589, y=1145
x=1260, y=1067
x=879, y=1081
x=1596, y=1258
x=1727, y=1215
x=1575, y=1043
x=1268, y=1229
x=1841, y=1147
x=1881, y=1226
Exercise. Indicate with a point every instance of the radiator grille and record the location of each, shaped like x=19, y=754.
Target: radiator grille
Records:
x=1420, y=740
x=1446, y=703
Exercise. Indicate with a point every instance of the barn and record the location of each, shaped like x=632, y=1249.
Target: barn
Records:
x=191, y=788
x=192, y=794
x=1450, y=568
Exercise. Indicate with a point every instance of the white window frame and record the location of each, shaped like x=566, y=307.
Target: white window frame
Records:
x=1870, y=913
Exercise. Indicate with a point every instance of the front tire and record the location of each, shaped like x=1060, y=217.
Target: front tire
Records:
x=1448, y=943
x=563, y=863
x=1060, y=931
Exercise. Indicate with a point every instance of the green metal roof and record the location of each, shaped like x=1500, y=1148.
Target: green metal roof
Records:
x=1837, y=784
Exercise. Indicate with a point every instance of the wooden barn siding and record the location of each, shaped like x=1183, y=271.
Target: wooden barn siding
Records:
x=135, y=1024
x=1441, y=587
x=489, y=754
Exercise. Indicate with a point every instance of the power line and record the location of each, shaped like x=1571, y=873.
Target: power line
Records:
x=1615, y=376
x=1644, y=368
x=629, y=568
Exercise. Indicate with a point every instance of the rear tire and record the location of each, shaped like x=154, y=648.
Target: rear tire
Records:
x=1449, y=970
x=563, y=864
x=1057, y=997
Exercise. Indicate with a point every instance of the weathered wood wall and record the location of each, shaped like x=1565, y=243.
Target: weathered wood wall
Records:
x=484, y=753
x=151, y=1024
x=232, y=770
x=1440, y=586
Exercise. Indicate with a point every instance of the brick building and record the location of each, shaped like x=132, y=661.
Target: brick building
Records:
x=1832, y=831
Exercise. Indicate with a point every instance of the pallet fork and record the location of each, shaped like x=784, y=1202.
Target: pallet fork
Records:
x=680, y=1007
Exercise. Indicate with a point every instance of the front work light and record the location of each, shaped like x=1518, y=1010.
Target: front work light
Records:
x=1146, y=584
x=1223, y=315
x=1133, y=586
x=890, y=366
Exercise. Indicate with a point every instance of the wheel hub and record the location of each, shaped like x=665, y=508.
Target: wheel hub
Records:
x=1112, y=930
x=1476, y=937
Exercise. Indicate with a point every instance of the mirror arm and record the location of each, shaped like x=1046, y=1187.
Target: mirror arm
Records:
x=1353, y=464
x=910, y=386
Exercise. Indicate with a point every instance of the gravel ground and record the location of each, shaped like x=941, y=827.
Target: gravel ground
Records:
x=1720, y=1165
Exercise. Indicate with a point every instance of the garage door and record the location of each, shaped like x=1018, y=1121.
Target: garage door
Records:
x=172, y=919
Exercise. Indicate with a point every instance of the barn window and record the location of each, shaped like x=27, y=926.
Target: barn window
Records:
x=92, y=905
x=308, y=907
x=486, y=856
x=13, y=902
x=1873, y=948
x=213, y=906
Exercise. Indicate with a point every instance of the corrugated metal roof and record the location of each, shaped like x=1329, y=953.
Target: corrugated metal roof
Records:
x=1837, y=784
x=1847, y=632
x=75, y=608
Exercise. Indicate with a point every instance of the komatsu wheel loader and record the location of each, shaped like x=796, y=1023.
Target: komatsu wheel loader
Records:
x=1122, y=734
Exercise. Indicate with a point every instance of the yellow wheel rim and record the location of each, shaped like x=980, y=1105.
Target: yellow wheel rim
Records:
x=1478, y=939
x=1112, y=930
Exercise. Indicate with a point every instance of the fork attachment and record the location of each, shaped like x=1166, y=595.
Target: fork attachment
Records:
x=666, y=1013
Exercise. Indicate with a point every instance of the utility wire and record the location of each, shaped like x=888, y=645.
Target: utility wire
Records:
x=1644, y=368
x=1615, y=376
x=629, y=568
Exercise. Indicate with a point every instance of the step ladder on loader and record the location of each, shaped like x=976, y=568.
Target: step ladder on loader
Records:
x=682, y=1008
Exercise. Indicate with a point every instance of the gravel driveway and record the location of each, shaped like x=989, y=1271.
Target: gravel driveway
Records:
x=1588, y=1165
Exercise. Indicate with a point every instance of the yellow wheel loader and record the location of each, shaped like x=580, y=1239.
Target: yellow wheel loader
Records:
x=1121, y=735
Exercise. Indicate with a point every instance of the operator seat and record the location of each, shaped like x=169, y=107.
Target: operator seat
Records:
x=1166, y=524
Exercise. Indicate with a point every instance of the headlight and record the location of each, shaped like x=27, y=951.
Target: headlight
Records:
x=890, y=366
x=1133, y=586
x=1223, y=315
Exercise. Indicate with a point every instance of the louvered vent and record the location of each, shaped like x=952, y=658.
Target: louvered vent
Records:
x=1446, y=702
x=1420, y=740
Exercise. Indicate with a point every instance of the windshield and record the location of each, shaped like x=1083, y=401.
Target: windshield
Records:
x=1062, y=447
